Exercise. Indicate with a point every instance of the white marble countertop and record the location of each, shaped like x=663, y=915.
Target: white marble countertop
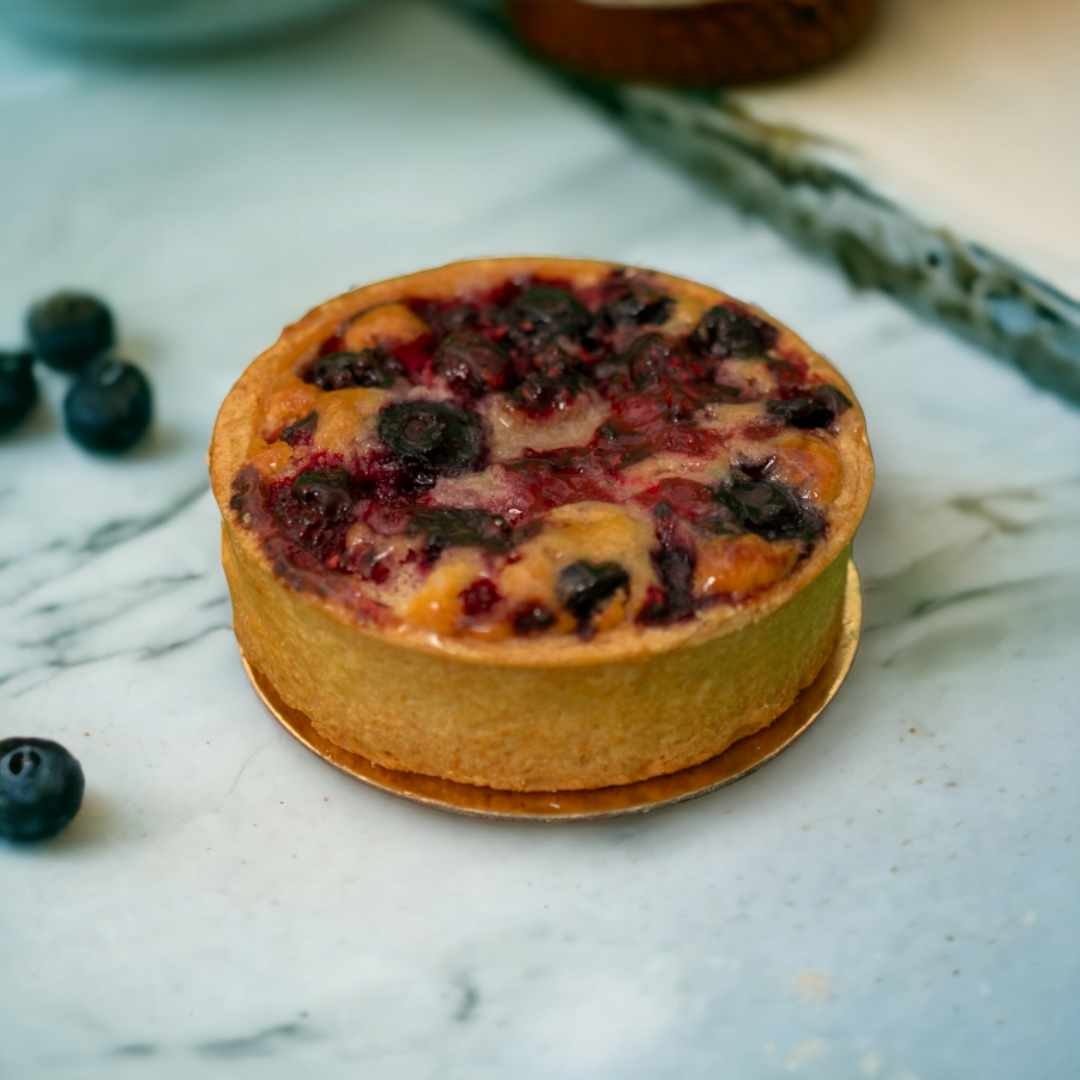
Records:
x=892, y=898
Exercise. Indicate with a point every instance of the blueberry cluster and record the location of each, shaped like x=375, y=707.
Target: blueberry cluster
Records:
x=108, y=404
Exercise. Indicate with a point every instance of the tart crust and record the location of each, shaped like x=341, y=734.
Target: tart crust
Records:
x=530, y=714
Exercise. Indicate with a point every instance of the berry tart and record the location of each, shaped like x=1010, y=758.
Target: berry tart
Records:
x=538, y=524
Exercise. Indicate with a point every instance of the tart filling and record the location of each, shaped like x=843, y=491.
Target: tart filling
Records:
x=543, y=457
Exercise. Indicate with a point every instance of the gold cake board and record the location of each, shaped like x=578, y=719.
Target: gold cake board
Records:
x=739, y=760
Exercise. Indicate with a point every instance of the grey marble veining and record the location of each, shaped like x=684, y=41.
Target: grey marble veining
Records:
x=892, y=898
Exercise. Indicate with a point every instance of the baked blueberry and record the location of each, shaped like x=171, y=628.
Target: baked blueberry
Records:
x=302, y=432
x=674, y=600
x=767, y=508
x=69, y=329
x=532, y=619
x=343, y=370
x=721, y=334
x=327, y=494
x=41, y=788
x=18, y=388
x=802, y=413
x=440, y=436
x=539, y=394
x=583, y=587
x=107, y=407
x=471, y=363
x=556, y=308
x=444, y=527
x=650, y=358
x=816, y=411
x=836, y=400
x=634, y=309
x=543, y=312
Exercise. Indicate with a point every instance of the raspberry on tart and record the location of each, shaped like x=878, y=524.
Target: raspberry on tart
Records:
x=538, y=524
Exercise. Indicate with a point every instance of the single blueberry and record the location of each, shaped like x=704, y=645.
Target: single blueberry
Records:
x=556, y=308
x=675, y=569
x=343, y=370
x=802, y=413
x=538, y=394
x=326, y=493
x=817, y=411
x=439, y=436
x=582, y=587
x=302, y=432
x=649, y=359
x=543, y=312
x=107, y=407
x=450, y=526
x=834, y=399
x=18, y=388
x=471, y=363
x=533, y=618
x=768, y=508
x=41, y=788
x=721, y=333
x=636, y=309
x=554, y=362
x=69, y=329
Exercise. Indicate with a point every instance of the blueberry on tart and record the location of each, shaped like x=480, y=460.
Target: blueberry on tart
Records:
x=538, y=524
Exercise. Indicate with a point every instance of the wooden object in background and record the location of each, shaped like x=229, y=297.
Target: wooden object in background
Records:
x=727, y=42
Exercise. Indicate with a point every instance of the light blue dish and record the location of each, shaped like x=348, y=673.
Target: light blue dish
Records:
x=158, y=25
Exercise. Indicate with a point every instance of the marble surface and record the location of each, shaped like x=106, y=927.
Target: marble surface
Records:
x=892, y=898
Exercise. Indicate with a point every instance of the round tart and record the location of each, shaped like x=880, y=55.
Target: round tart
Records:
x=538, y=524
x=691, y=42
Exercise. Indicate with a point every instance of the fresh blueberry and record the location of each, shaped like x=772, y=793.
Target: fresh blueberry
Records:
x=18, y=390
x=367, y=368
x=471, y=363
x=438, y=436
x=582, y=587
x=69, y=329
x=721, y=333
x=41, y=788
x=107, y=407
